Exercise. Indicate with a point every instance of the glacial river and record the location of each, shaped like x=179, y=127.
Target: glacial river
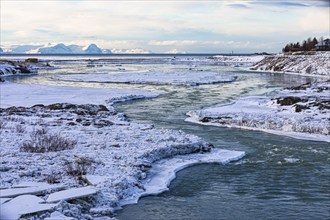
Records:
x=280, y=178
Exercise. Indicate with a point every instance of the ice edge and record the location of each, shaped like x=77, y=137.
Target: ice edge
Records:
x=164, y=171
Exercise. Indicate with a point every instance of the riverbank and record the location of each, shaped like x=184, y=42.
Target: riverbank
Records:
x=300, y=112
x=88, y=144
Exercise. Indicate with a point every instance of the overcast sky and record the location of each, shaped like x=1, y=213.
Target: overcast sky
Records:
x=191, y=26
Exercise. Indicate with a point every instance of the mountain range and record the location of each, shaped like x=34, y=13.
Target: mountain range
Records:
x=69, y=49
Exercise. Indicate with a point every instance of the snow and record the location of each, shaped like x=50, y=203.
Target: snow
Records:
x=305, y=118
x=164, y=171
x=317, y=64
x=22, y=205
x=70, y=194
x=3, y=200
x=57, y=49
x=239, y=59
x=92, y=49
x=28, y=190
x=58, y=216
x=28, y=95
x=95, y=179
x=151, y=77
x=120, y=152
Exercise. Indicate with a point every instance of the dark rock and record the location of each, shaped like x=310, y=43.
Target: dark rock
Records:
x=299, y=108
x=102, y=123
x=290, y=100
x=32, y=60
x=23, y=69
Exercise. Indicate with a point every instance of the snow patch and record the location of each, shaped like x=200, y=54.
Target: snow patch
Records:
x=13, y=94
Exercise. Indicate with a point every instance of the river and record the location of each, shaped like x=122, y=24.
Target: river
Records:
x=280, y=178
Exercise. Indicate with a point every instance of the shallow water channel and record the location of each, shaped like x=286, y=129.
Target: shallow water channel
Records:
x=280, y=178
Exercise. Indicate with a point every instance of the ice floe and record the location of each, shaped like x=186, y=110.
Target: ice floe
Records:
x=22, y=205
x=72, y=193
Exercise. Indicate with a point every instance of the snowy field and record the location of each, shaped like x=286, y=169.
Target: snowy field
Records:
x=157, y=78
x=300, y=112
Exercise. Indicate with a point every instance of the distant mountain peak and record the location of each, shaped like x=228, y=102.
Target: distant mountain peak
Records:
x=61, y=48
x=93, y=49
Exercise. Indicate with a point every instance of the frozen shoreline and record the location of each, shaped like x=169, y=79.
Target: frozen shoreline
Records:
x=299, y=112
x=121, y=154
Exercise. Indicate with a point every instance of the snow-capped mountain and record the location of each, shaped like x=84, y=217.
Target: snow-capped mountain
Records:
x=57, y=49
x=93, y=49
x=76, y=48
x=71, y=49
x=24, y=48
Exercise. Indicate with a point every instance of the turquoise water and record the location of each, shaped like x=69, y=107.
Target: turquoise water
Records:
x=280, y=178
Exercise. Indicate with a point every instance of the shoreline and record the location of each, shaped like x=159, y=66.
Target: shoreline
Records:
x=121, y=152
x=296, y=135
x=299, y=112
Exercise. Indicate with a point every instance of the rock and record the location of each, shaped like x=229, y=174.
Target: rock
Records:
x=31, y=60
x=290, y=100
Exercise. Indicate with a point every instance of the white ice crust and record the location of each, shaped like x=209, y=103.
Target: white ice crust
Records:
x=151, y=77
x=26, y=95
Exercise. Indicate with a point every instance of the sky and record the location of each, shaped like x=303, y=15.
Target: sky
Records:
x=217, y=26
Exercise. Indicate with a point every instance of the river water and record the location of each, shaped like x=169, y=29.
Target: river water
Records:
x=280, y=177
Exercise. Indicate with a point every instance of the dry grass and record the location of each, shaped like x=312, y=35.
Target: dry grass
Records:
x=42, y=142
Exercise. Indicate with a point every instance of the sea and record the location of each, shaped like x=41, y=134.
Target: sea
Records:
x=279, y=178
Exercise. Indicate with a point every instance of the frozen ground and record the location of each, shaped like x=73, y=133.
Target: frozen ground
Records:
x=301, y=112
x=102, y=149
x=317, y=64
x=151, y=77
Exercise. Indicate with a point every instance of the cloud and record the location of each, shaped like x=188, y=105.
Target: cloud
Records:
x=238, y=6
x=153, y=24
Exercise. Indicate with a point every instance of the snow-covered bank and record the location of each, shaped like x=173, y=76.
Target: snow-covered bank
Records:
x=317, y=64
x=28, y=95
x=301, y=112
x=157, y=78
x=103, y=149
